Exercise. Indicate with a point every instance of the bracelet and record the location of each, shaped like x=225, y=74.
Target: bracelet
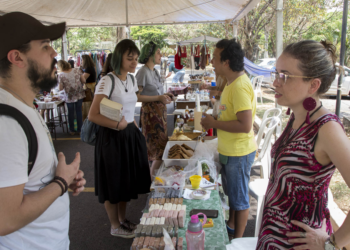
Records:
x=60, y=184
x=117, y=126
x=63, y=182
x=332, y=239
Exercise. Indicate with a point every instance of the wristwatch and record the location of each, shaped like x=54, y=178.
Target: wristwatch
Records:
x=328, y=245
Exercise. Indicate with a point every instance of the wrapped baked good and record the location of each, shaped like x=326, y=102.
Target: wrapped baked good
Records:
x=174, y=241
x=143, y=231
x=149, y=231
x=172, y=201
x=134, y=243
x=181, y=218
x=146, y=242
x=140, y=243
x=167, y=200
x=181, y=200
x=174, y=218
x=180, y=243
x=176, y=231
x=161, y=244
x=138, y=230
x=143, y=221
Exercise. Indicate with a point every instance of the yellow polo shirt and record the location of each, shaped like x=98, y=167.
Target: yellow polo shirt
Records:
x=236, y=97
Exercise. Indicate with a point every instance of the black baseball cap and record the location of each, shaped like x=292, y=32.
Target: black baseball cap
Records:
x=18, y=28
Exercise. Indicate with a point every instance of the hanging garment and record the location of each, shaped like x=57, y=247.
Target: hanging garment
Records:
x=177, y=58
x=203, y=60
x=196, y=62
x=198, y=51
x=184, y=57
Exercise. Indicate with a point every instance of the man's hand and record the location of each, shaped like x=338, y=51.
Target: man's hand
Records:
x=78, y=184
x=68, y=172
x=207, y=121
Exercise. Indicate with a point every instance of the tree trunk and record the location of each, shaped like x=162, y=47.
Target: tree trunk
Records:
x=121, y=34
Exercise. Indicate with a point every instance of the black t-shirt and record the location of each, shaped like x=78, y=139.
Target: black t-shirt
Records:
x=92, y=76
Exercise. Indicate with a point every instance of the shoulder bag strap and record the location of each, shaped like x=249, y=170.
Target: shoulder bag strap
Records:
x=28, y=130
x=113, y=84
x=133, y=79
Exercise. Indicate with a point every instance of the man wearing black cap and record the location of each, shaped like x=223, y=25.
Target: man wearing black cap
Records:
x=34, y=208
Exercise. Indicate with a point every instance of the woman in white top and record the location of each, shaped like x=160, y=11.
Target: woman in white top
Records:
x=121, y=164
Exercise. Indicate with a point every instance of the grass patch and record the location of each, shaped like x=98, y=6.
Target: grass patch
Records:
x=340, y=191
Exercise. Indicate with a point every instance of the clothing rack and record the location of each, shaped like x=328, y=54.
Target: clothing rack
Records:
x=89, y=50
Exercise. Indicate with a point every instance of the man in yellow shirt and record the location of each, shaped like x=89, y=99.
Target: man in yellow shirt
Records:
x=236, y=143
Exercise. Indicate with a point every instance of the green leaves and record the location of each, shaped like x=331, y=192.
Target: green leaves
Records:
x=156, y=34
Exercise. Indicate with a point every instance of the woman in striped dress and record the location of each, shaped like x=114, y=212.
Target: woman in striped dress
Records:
x=304, y=158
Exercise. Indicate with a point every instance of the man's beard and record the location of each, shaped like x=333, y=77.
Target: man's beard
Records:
x=41, y=79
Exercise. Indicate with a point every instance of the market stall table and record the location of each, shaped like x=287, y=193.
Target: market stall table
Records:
x=216, y=238
x=181, y=103
x=182, y=112
x=51, y=108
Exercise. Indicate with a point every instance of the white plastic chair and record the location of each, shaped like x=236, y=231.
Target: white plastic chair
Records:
x=256, y=82
x=257, y=188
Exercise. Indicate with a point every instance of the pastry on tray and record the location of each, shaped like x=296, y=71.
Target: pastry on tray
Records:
x=180, y=152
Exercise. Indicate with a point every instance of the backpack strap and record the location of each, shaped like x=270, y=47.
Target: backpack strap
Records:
x=28, y=130
x=113, y=84
x=133, y=79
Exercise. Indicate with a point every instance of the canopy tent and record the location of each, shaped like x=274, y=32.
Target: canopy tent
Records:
x=256, y=70
x=199, y=40
x=89, y=13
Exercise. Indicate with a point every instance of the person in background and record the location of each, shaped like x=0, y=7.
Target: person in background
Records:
x=88, y=68
x=305, y=156
x=71, y=62
x=34, y=207
x=236, y=142
x=72, y=81
x=107, y=67
x=179, y=73
x=153, y=115
x=121, y=165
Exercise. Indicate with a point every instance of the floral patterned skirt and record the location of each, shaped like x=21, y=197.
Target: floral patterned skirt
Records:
x=153, y=120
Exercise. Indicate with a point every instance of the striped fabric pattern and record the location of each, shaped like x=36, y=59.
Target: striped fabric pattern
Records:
x=298, y=187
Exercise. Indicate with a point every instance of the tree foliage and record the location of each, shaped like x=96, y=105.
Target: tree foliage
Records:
x=156, y=34
x=299, y=18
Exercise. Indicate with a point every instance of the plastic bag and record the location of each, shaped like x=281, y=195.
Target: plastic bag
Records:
x=167, y=240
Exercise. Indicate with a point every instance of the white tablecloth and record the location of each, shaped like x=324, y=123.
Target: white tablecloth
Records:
x=49, y=105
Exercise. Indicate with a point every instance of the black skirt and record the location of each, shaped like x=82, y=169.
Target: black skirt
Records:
x=121, y=165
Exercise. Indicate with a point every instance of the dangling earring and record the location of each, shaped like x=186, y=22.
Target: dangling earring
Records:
x=288, y=111
x=309, y=104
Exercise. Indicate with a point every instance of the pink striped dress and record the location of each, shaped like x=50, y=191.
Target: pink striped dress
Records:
x=298, y=187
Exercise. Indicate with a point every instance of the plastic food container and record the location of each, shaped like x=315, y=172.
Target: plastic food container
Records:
x=179, y=162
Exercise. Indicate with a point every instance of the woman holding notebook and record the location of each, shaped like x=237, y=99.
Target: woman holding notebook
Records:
x=121, y=165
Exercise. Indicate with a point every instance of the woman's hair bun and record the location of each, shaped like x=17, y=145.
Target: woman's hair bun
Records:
x=330, y=48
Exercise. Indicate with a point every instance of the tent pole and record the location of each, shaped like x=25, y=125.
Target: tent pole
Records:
x=64, y=46
x=342, y=55
x=127, y=19
x=235, y=29
x=279, y=48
